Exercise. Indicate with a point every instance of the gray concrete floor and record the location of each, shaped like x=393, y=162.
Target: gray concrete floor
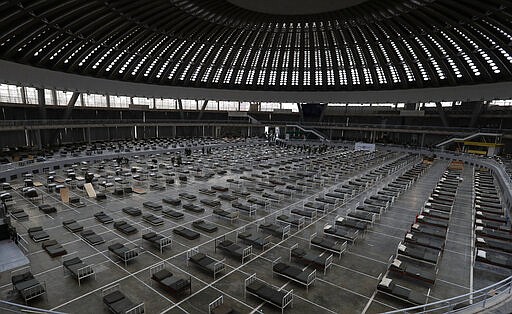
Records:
x=348, y=287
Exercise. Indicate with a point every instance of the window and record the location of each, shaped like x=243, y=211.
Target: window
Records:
x=119, y=101
x=31, y=95
x=166, y=103
x=211, y=105
x=64, y=97
x=244, y=106
x=502, y=102
x=189, y=104
x=292, y=106
x=94, y=100
x=228, y=105
x=269, y=106
x=49, y=100
x=11, y=94
x=143, y=101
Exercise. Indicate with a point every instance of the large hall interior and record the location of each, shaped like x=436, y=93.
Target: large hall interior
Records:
x=236, y=156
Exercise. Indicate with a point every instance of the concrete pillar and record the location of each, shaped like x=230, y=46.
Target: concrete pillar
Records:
x=23, y=95
x=39, y=141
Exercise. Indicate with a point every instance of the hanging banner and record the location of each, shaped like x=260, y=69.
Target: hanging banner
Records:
x=364, y=146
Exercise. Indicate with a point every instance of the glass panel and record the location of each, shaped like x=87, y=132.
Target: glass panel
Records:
x=119, y=101
x=11, y=94
x=31, y=95
x=48, y=97
x=244, y=106
x=228, y=105
x=94, y=100
x=166, y=103
x=189, y=104
x=143, y=101
x=63, y=97
x=269, y=106
x=291, y=106
x=212, y=105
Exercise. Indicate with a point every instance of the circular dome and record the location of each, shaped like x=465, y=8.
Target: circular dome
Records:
x=374, y=45
x=295, y=7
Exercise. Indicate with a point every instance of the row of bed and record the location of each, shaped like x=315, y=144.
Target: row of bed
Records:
x=493, y=231
x=418, y=255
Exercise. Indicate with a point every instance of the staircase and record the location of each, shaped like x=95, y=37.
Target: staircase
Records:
x=253, y=120
x=320, y=135
x=461, y=139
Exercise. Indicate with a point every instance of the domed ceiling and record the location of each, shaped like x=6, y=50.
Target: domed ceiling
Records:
x=350, y=45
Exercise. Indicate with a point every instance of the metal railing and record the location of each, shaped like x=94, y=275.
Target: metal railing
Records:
x=82, y=122
x=9, y=307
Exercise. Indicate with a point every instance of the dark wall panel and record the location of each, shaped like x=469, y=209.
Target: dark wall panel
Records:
x=14, y=139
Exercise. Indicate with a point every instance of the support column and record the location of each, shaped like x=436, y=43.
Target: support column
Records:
x=203, y=107
x=180, y=108
x=478, y=107
x=23, y=95
x=442, y=114
x=39, y=142
x=42, y=113
x=54, y=98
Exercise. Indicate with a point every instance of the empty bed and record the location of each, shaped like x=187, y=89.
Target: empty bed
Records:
x=419, y=252
x=78, y=269
x=170, y=283
x=152, y=205
x=494, y=258
x=123, y=252
x=72, y=225
x=193, y=208
x=255, y=239
x=103, y=218
x=268, y=293
x=153, y=220
x=53, y=248
x=27, y=285
x=91, y=237
x=171, y=213
x=305, y=277
x=157, y=240
x=205, y=262
x=132, y=211
x=404, y=267
x=304, y=257
x=38, y=234
x=388, y=287
x=118, y=303
x=186, y=233
x=125, y=227
x=233, y=249
x=204, y=226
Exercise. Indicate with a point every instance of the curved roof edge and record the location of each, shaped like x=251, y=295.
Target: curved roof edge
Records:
x=25, y=75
